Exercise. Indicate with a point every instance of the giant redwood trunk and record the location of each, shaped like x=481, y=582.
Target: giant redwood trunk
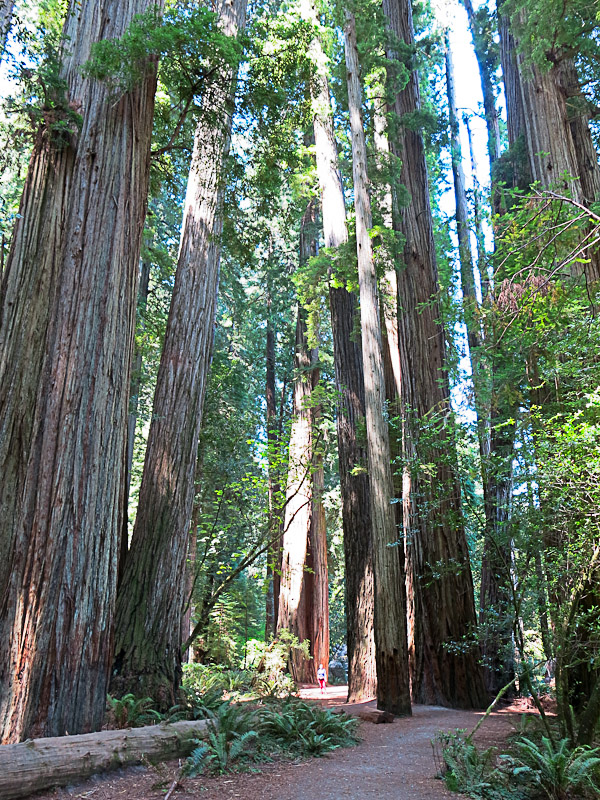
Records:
x=441, y=607
x=66, y=331
x=347, y=356
x=303, y=594
x=151, y=594
x=391, y=656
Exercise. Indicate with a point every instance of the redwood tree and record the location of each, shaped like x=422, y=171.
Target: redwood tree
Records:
x=66, y=332
x=303, y=594
x=347, y=356
x=391, y=655
x=151, y=595
x=441, y=607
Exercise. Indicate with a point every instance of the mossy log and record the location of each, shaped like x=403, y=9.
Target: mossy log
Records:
x=38, y=764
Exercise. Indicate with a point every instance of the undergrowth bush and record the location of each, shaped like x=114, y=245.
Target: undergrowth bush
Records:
x=239, y=734
x=553, y=770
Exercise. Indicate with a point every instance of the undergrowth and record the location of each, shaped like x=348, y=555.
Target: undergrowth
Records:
x=535, y=767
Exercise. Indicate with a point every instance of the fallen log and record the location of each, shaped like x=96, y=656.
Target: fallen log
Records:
x=44, y=763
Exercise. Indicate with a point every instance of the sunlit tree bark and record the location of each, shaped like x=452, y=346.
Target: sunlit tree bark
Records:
x=441, y=606
x=151, y=594
x=354, y=481
x=66, y=333
x=390, y=604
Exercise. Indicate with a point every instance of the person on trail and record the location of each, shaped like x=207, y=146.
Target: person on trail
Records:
x=321, y=677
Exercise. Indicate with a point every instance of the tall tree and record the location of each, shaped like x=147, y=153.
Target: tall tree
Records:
x=480, y=25
x=553, y=114
x=354, y=482
x=391, y=654
x=66, y=333
x=496, y=469
x=6, y=12
x=150, y=601
x=303, y=597
x=441, y=604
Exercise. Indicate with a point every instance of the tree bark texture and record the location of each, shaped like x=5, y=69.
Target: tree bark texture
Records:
x=303, y=597
x=486, y=65
x=347, y=356
x=393, y=693
x=555, y=119
x=150, y=600
x=272, y=440
x=441, y=606
x=66, y=332
x=6, y=12
x=58, y=761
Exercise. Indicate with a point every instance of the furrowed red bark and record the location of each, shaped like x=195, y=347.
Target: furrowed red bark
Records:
x=441, y=607
x=393, y=693
x=304, y=594
x=66, y=333
x=150, y=601
x=354, y=481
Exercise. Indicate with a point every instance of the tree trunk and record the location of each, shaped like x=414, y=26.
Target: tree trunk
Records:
x=59, y=761
x=304, y=592
x=272, y=598
x=66, y=333
x=6, y=12
x=441, y=607
x=391, y=656
x=354, y=481
x=485, y=62
x=134, y=393
x=148, y=614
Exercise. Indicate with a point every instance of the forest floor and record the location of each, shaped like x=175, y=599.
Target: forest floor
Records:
x=392, y=760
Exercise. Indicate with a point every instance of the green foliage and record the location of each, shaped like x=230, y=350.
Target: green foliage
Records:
x=556, y=770
x=464, y=768
x=230, y=733
x=186, y=39
x=306, y=729
x=131, y=712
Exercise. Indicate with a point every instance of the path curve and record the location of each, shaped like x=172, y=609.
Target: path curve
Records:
x=393, y=761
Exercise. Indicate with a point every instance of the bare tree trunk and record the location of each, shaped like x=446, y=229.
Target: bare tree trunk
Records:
x=134, y=392
x=66, y=332
x=554, y=117
x=441, y=606
x=6, y=13
x=391, y=656
x=482, y=47
x=354, y=482
x=148, y=613
x=272, y=442
x=304, y=591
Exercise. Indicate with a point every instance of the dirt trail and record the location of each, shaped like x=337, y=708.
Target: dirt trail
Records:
x=393, y=761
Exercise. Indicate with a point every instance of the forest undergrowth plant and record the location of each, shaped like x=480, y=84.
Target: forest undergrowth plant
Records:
x=306, y=729
x=229, y=736
x=131, y=712
x=556, y=771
